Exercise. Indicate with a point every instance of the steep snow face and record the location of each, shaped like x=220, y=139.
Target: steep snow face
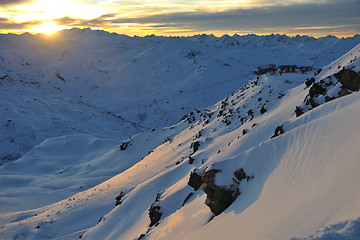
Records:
x=300, y=173
x=114, y=86
x=311, y=185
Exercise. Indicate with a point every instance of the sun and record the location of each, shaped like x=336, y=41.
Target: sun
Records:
x=48, y=28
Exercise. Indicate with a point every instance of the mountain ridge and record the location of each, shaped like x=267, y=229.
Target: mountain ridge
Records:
x=101, y=72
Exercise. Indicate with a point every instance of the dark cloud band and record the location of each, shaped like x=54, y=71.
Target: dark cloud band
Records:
x=327, y=18
x=306, y=15
x=11, y=2
x=6, y=23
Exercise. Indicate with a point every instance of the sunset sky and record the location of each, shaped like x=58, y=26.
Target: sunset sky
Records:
x=184, y=17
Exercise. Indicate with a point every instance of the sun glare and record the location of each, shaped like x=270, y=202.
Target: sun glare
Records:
x=48, y=28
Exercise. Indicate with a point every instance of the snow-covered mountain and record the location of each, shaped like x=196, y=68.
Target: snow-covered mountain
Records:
x=114, y=86
x=276, y=159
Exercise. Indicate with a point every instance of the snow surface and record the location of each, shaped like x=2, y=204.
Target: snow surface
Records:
x=81, y=156
x=114, y=86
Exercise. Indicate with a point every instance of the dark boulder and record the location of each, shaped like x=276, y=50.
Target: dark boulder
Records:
x=141, y=236
x=195, y=146
x=349, y=79
x=299, y=111
x=195, y=181
x=250, y=113
x=218, y=197
x=240, y=174
x=309, y=82
x=278, y=131
x=316, y=89
x=118, y=199
x=155, y=212
x=155, y=215
x=263, y=110
x=124, y=145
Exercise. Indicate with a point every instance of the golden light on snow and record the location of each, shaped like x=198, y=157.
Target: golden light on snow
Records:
x=48, y=28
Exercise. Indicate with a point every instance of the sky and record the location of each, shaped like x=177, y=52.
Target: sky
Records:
x=184, y=17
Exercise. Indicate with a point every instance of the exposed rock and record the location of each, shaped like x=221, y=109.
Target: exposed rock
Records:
x=309, y=82
x=155, y=215
x=349, y=79
x=118, y=198
x=141, y=236
x=195, y=181
x=155, y=212
x=248, y=178
x=190, y=117
x=195, y=146
x=318, y=72
x=226, y=121
x=124, y=145
x=278, y=131
x=250, y=113
x=263, y=110
x=193, y=53
x=218, y=197
x=316, y=89
x=198, y=135
x=298, y=111
x=240, y=174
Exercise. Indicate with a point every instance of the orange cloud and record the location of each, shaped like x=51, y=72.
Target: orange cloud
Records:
x=140, y=17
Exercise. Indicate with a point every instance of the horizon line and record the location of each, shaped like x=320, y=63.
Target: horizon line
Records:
x=185, y=36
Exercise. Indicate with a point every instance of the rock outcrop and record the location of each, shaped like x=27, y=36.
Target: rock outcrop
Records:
x=278, y=131
x=155, y=212
x=118, y=198
x=240, y=174
x=218, y=197
x=195, y=181
x=349, y=79
x=195, y=146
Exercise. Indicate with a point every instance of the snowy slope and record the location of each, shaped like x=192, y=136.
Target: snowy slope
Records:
x=299, y=182
x=114, y=86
